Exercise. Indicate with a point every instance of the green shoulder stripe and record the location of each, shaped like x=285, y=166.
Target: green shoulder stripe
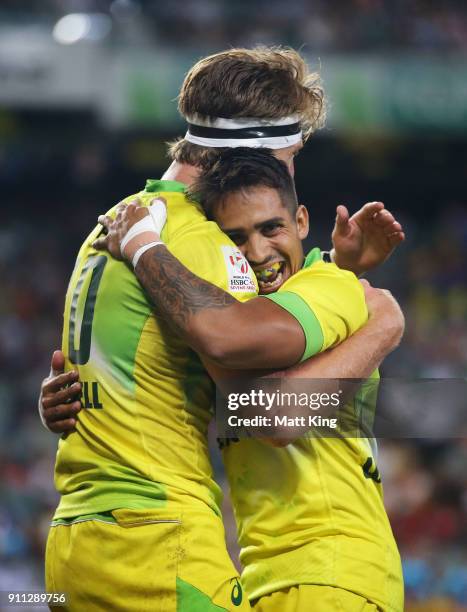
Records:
x=153, y=185
x=298, y=308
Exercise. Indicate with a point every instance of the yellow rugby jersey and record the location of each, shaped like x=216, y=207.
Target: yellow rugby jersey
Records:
x=313, y=512
x=141, y=439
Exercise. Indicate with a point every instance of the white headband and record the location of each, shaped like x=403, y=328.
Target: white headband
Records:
x=244, y=132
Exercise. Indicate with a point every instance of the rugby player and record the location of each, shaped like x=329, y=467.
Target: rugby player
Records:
x=331, y=545
x=136, y=474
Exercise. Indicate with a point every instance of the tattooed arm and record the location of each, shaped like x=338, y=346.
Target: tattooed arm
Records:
x=228, y=332
x=257, y=334
x=356, y=358
x=254, y=334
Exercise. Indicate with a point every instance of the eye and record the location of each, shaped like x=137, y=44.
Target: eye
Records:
x=271, y=229
x=237, y=239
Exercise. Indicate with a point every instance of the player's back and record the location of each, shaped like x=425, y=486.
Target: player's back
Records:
x=141, y=438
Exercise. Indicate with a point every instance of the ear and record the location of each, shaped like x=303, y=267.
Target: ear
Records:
x=302, y=221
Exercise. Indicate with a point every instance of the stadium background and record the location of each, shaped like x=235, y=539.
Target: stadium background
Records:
x=87, y=92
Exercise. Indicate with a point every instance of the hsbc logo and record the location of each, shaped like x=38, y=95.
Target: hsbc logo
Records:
x=240, y=276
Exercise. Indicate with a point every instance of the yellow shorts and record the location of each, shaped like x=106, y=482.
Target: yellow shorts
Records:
x=315, y=598
x=156, y=560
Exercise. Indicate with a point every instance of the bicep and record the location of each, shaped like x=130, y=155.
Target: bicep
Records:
x=333, y=305
x=259, y=334
x=251, y=333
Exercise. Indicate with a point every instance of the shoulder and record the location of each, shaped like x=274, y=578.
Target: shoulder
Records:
x=321, y=273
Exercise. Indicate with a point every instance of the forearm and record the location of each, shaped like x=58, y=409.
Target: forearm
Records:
x=356, y=357
x=182, y=299
x=340, y=370
x=230, y=333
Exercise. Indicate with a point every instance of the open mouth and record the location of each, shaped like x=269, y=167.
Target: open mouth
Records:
x=270, y=278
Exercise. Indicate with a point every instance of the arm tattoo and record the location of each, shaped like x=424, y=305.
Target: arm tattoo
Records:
x=177, y=294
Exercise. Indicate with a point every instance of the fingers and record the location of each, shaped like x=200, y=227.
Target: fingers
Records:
x=395, y=239
x=342, y=217
x=384, y=218
x=63, y=395
x=61, y=412
x=105, y=220
x=391, y=228
x=133, y=208
x=65, y=426
x=135, y=212
x=396, y=227
x=57, y=365
x=134, y=202
x=121, y=206
x=101, y=244
x=386, y=221
x=370, y=209
x=52, y=385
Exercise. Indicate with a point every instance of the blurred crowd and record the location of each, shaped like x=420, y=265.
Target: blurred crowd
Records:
x=425, y=480
x=345, y=26
x=358, y=25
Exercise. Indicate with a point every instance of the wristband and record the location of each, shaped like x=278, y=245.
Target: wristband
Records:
x=142, y=250
x=154, y=223
x=140, y=227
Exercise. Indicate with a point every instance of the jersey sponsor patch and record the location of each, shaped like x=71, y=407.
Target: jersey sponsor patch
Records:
x=239, y=273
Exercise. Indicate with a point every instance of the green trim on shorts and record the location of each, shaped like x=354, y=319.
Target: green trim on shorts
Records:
x=298, y=308
x=191, y=599
x=104, y=517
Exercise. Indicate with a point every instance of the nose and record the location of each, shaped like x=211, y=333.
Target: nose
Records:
x=257, y=250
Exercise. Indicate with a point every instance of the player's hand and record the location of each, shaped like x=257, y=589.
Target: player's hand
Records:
x=59, y=398
x=384, y=313
x=133, y=228
x=366, y=239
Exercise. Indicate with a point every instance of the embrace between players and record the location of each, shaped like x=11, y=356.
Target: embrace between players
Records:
x=138, y=526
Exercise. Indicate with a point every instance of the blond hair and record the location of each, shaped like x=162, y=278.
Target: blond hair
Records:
x=264, y=82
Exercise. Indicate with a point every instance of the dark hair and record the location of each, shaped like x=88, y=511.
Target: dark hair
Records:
x=240, y=168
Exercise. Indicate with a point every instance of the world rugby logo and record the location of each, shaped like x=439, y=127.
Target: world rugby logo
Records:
x=239, y=262
x=240, y=277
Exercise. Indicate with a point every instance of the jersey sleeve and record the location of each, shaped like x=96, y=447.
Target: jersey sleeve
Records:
x=328, y=302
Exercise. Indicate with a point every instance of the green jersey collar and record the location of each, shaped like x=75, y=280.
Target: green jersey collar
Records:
x=153, y=185
x=313, y=256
